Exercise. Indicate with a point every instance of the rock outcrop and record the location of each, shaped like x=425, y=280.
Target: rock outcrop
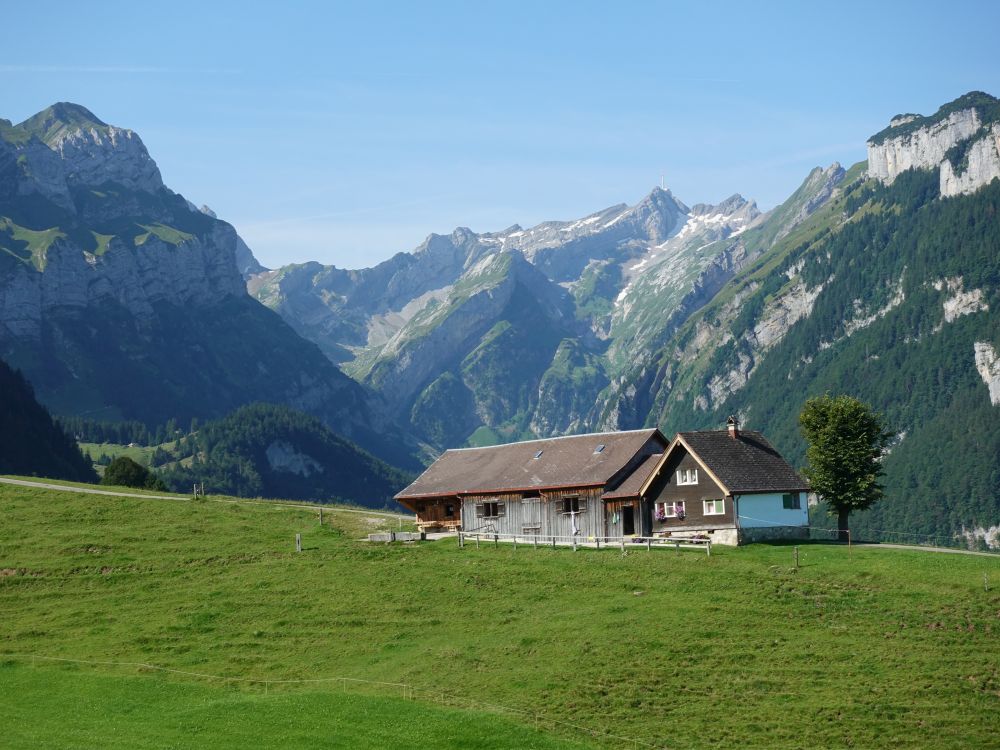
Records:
x=920, y=149
x=981, y=165
x=988, y=365
x=962, y=141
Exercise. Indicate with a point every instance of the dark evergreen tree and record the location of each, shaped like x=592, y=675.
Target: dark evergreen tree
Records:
x=31, y=442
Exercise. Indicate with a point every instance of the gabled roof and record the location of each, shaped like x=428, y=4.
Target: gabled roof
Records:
x=743, y=464
x=571, y=461
x=634, y=482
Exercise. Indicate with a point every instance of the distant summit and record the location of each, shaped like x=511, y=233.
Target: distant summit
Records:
x=60, y=117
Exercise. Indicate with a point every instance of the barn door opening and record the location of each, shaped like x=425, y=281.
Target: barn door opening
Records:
x=628, y=520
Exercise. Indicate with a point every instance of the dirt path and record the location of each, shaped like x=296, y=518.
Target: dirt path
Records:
x=182, y=498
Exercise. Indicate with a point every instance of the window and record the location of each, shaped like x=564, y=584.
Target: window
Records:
x=449, y=511
x=791, y=502
x=574, y=504
x=715, y=507
x=491, y=510
x=538, y=455
x=687, y=476
x=599, y=449
x=669, y=510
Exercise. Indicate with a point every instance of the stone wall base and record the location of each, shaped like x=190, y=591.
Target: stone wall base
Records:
x=770, y=533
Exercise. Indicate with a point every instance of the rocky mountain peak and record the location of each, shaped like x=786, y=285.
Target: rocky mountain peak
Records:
x=61, y=117
x=93, y=152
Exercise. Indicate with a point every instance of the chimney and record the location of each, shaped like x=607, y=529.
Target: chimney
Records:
x=733, y=425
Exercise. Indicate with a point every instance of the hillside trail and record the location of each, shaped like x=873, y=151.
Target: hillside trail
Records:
x=119, y=493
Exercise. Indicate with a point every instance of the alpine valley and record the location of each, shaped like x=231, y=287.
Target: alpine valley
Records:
x=119, y=300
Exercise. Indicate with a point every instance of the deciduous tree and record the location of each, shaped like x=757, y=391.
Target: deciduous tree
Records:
x=846, y=442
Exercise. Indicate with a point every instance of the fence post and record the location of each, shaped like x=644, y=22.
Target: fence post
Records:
x=496, y=541
x=298, y=542
x=796, y=558
x=623, y=544
x=461, y=541
x=574, y=543
x=477, y=541
x=649, y=544
x=553, y=542
x=321, y=515
x=597, y=540
x=534, y=540
x=515, y=542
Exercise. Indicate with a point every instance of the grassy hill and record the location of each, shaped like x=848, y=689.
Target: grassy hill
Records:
x=873, y=648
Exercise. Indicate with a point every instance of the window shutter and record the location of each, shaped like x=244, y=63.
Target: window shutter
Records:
x=501, y=509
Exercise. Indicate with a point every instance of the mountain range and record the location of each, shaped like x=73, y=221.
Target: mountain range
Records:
x=120, y=298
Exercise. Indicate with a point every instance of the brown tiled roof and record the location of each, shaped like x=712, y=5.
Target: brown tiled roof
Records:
x=633, y=482
x=563, y=462
x=745, y=464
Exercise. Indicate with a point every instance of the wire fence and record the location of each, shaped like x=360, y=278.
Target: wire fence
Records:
x=944, y=541
x=404, y=690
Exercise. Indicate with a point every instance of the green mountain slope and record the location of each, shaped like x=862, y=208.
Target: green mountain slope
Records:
x=890, y=297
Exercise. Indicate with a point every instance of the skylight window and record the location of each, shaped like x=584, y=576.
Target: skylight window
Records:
x=538, y=455
x=599, y=449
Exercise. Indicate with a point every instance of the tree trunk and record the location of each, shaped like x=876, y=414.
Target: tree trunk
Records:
x=843, y=534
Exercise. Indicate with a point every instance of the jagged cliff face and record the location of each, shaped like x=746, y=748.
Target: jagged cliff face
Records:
x=980, y=166
x=120, y=299
x=923, y=148
x=961, y=141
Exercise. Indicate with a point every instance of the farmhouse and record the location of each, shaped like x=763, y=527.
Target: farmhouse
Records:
x=729, y=485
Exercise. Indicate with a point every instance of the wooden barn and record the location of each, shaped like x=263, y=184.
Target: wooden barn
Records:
x=729, y=485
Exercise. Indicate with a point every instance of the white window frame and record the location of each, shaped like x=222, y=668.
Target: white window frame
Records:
x=687, y=476
x=711, y=507
x=670, y=509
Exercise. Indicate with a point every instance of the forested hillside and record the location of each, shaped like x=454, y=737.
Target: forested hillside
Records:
x=264, y=450
x=896, y=288
x=31, y=443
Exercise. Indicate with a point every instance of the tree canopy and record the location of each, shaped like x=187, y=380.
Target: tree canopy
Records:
x=846, y=439
x=124, y=472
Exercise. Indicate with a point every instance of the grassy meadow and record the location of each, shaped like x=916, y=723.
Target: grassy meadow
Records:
x=868, y=649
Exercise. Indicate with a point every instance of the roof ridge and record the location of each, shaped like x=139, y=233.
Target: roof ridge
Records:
x=741, y=431
x=550, y=439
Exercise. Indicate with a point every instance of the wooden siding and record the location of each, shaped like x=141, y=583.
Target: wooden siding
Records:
x=613, y=511
x=540, y=515
x=665, y=489
x=434, y=513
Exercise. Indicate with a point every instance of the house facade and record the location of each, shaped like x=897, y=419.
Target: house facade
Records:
x=729, y=485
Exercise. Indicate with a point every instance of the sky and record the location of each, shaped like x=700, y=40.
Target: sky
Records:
x=345, y=133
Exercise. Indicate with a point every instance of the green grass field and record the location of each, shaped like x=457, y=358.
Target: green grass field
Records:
x=139, y=453
x=877, y=648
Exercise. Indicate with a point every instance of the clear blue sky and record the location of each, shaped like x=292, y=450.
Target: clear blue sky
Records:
x=345, y=133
